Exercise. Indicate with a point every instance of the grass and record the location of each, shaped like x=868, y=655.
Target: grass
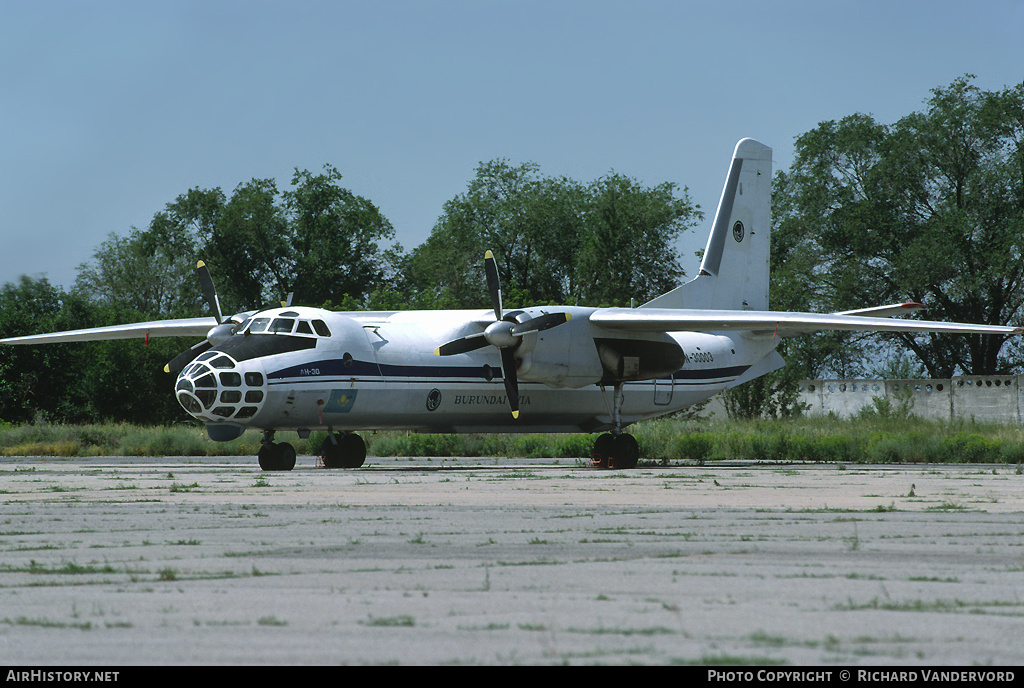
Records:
x=810, y=439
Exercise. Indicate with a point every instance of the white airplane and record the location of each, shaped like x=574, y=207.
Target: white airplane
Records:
x=541, y=369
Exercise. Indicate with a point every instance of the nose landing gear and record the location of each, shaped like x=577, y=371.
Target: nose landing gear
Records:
x=275, y=456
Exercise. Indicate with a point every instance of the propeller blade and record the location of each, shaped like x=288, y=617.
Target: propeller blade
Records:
x=461, y=346
x=508, y=372
x=540, y=323
x=493, y=285
x=185, y=357
x=209, y=291
x=219, y=332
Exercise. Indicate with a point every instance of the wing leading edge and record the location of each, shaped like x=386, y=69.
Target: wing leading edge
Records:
x=775, y=322
x=185, y=327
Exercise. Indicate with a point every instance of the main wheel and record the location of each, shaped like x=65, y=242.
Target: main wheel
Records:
x=353, y=450
x=625, y=452
x=602, y=449
x=346, y=451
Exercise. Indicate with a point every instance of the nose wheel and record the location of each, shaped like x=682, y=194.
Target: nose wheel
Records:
x=273, y=456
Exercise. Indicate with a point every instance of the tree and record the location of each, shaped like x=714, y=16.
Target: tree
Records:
x=247, y=247
x=531, y=223
x=318, y=240
x=141, y=272
x=334, y=238
x=30, y=375
x=628, y=249
x=554, y=239
x=929, y=209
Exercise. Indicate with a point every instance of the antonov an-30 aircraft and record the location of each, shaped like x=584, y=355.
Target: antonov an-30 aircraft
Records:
x=543, y=369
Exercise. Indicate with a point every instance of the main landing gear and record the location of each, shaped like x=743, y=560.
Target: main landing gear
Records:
x=616, y=449
x=276, y=456
x=343, y=450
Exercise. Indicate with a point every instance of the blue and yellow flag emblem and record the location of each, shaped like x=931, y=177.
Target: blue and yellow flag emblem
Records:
x=341, y=401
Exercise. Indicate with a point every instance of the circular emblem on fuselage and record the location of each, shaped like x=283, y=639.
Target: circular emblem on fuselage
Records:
x=433, y=399
x=737, y=231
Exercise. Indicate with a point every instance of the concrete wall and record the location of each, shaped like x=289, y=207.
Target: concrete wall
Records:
x=985, y=398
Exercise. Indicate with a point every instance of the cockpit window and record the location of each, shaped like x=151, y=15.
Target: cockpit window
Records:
x=283, y=325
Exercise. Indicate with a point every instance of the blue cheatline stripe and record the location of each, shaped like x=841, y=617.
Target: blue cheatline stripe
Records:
x=333, y=370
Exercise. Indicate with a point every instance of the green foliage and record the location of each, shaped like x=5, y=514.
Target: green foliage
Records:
x=805, y=439
x=775, y=395
x=334, y=236
x=555, y=240
x=929, y=209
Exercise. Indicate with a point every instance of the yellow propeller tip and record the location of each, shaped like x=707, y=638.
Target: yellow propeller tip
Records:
x=437, y=351
x=515, y=414
x=488, y=255
x=167, y=368
x=200, y=264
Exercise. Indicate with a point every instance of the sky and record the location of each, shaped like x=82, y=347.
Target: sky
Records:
x=110, y=109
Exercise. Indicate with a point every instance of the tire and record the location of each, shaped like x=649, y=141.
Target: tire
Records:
x=285, y=457
x=602, y=449
x=353, y=451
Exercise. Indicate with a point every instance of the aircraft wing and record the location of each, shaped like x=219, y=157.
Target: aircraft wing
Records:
x=186, y=327
x=775, y=322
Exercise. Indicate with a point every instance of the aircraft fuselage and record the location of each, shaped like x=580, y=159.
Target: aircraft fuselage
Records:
x=301, y=368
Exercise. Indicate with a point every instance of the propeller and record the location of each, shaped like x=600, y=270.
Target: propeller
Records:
x=505, y=333
x=217, y=334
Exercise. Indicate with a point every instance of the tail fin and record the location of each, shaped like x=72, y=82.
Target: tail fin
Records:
x=734, y=271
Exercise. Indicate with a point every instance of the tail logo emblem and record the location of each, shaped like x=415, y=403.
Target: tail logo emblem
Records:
x=737, y=231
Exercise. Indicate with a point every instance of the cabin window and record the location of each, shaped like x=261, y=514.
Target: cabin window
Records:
x=321, y=328
x=258, y=324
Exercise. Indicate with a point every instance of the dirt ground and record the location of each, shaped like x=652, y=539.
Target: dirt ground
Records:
x=121, y=562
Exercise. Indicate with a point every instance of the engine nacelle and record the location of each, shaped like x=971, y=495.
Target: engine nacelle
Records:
x=627, y=360
x=562, y=356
